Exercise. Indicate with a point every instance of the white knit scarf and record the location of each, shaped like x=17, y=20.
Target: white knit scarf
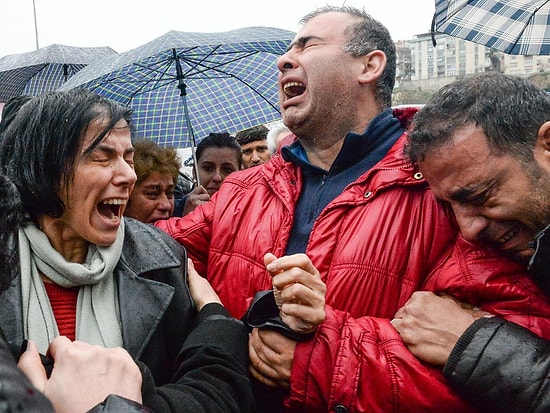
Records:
x=97, y=313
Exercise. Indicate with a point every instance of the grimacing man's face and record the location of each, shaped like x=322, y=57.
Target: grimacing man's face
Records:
x=496, y=201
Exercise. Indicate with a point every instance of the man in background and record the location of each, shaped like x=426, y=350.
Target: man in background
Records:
x=254, y=148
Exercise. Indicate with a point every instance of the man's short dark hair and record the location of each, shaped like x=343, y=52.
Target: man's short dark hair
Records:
x=509, y=109
x=253, y=134
x=363, y=36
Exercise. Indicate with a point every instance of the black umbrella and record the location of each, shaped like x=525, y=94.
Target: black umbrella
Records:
x=183, y=84
x=45, y=69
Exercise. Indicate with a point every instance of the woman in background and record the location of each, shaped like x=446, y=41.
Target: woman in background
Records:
x=157, y=171
x=218, y=155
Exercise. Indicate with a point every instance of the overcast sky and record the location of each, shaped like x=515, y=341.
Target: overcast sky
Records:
x=125, y=24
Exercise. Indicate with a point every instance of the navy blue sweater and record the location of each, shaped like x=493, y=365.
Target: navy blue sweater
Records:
x=359, y=153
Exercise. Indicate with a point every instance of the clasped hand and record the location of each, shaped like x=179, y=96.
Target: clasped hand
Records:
x=300, y=296
x=431, y=325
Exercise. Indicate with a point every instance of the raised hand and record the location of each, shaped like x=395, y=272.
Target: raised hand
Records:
x=201, y=290
x=299, y=291
x=196, y=197
x=83, y=374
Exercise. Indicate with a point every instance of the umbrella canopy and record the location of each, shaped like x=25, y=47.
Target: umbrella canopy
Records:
x=520, y=27
x=44, y=69
x=186, y=84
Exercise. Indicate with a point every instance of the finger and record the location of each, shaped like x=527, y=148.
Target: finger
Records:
x=261, y=370
x=262, y=358
x=466, y=306
x=262, y=379
x=257, y=368
x=297, y=281
x=303, y=324
x=201, y=290
x=313, y=314
x=292, y=276
x=269, y=258
x=455, y=300
x=191, y=267
x=399, y=313
x=273, y=344
x=58, y=345
x=31, y=365
x=480, y=313
x=194, y=279
x=191, y=274
x=288, y=261
x=304, y=295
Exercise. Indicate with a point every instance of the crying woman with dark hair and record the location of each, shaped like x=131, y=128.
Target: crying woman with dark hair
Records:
x=97, y=292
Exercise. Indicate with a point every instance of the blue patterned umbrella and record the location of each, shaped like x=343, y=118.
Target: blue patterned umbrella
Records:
x=44, y=69
x=184, y=85
x=519, y=27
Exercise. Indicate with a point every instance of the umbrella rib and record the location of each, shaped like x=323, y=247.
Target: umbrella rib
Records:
x=255, y=91
x=216, y=69
x=200, y=61
x=154, y=70
x=120, y=77
x=156, y=81
x=163, y=73
x=194, y=64
x=225, y=74
x=216, y=64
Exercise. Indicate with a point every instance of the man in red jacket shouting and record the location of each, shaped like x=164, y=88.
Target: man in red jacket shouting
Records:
x=343, y=194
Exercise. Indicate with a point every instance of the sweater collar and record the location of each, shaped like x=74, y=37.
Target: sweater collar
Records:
x=356, y=146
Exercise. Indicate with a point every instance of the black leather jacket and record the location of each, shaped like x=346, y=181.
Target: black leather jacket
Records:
x=188, y=362
x=500, y=366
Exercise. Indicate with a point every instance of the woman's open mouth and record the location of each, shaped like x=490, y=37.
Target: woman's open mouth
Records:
x=112, y=208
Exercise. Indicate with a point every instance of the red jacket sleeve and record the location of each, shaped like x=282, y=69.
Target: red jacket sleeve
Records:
x=362, y=364
x=193, y=231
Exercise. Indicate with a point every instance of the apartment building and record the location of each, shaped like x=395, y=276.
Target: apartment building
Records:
x=435, y=60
